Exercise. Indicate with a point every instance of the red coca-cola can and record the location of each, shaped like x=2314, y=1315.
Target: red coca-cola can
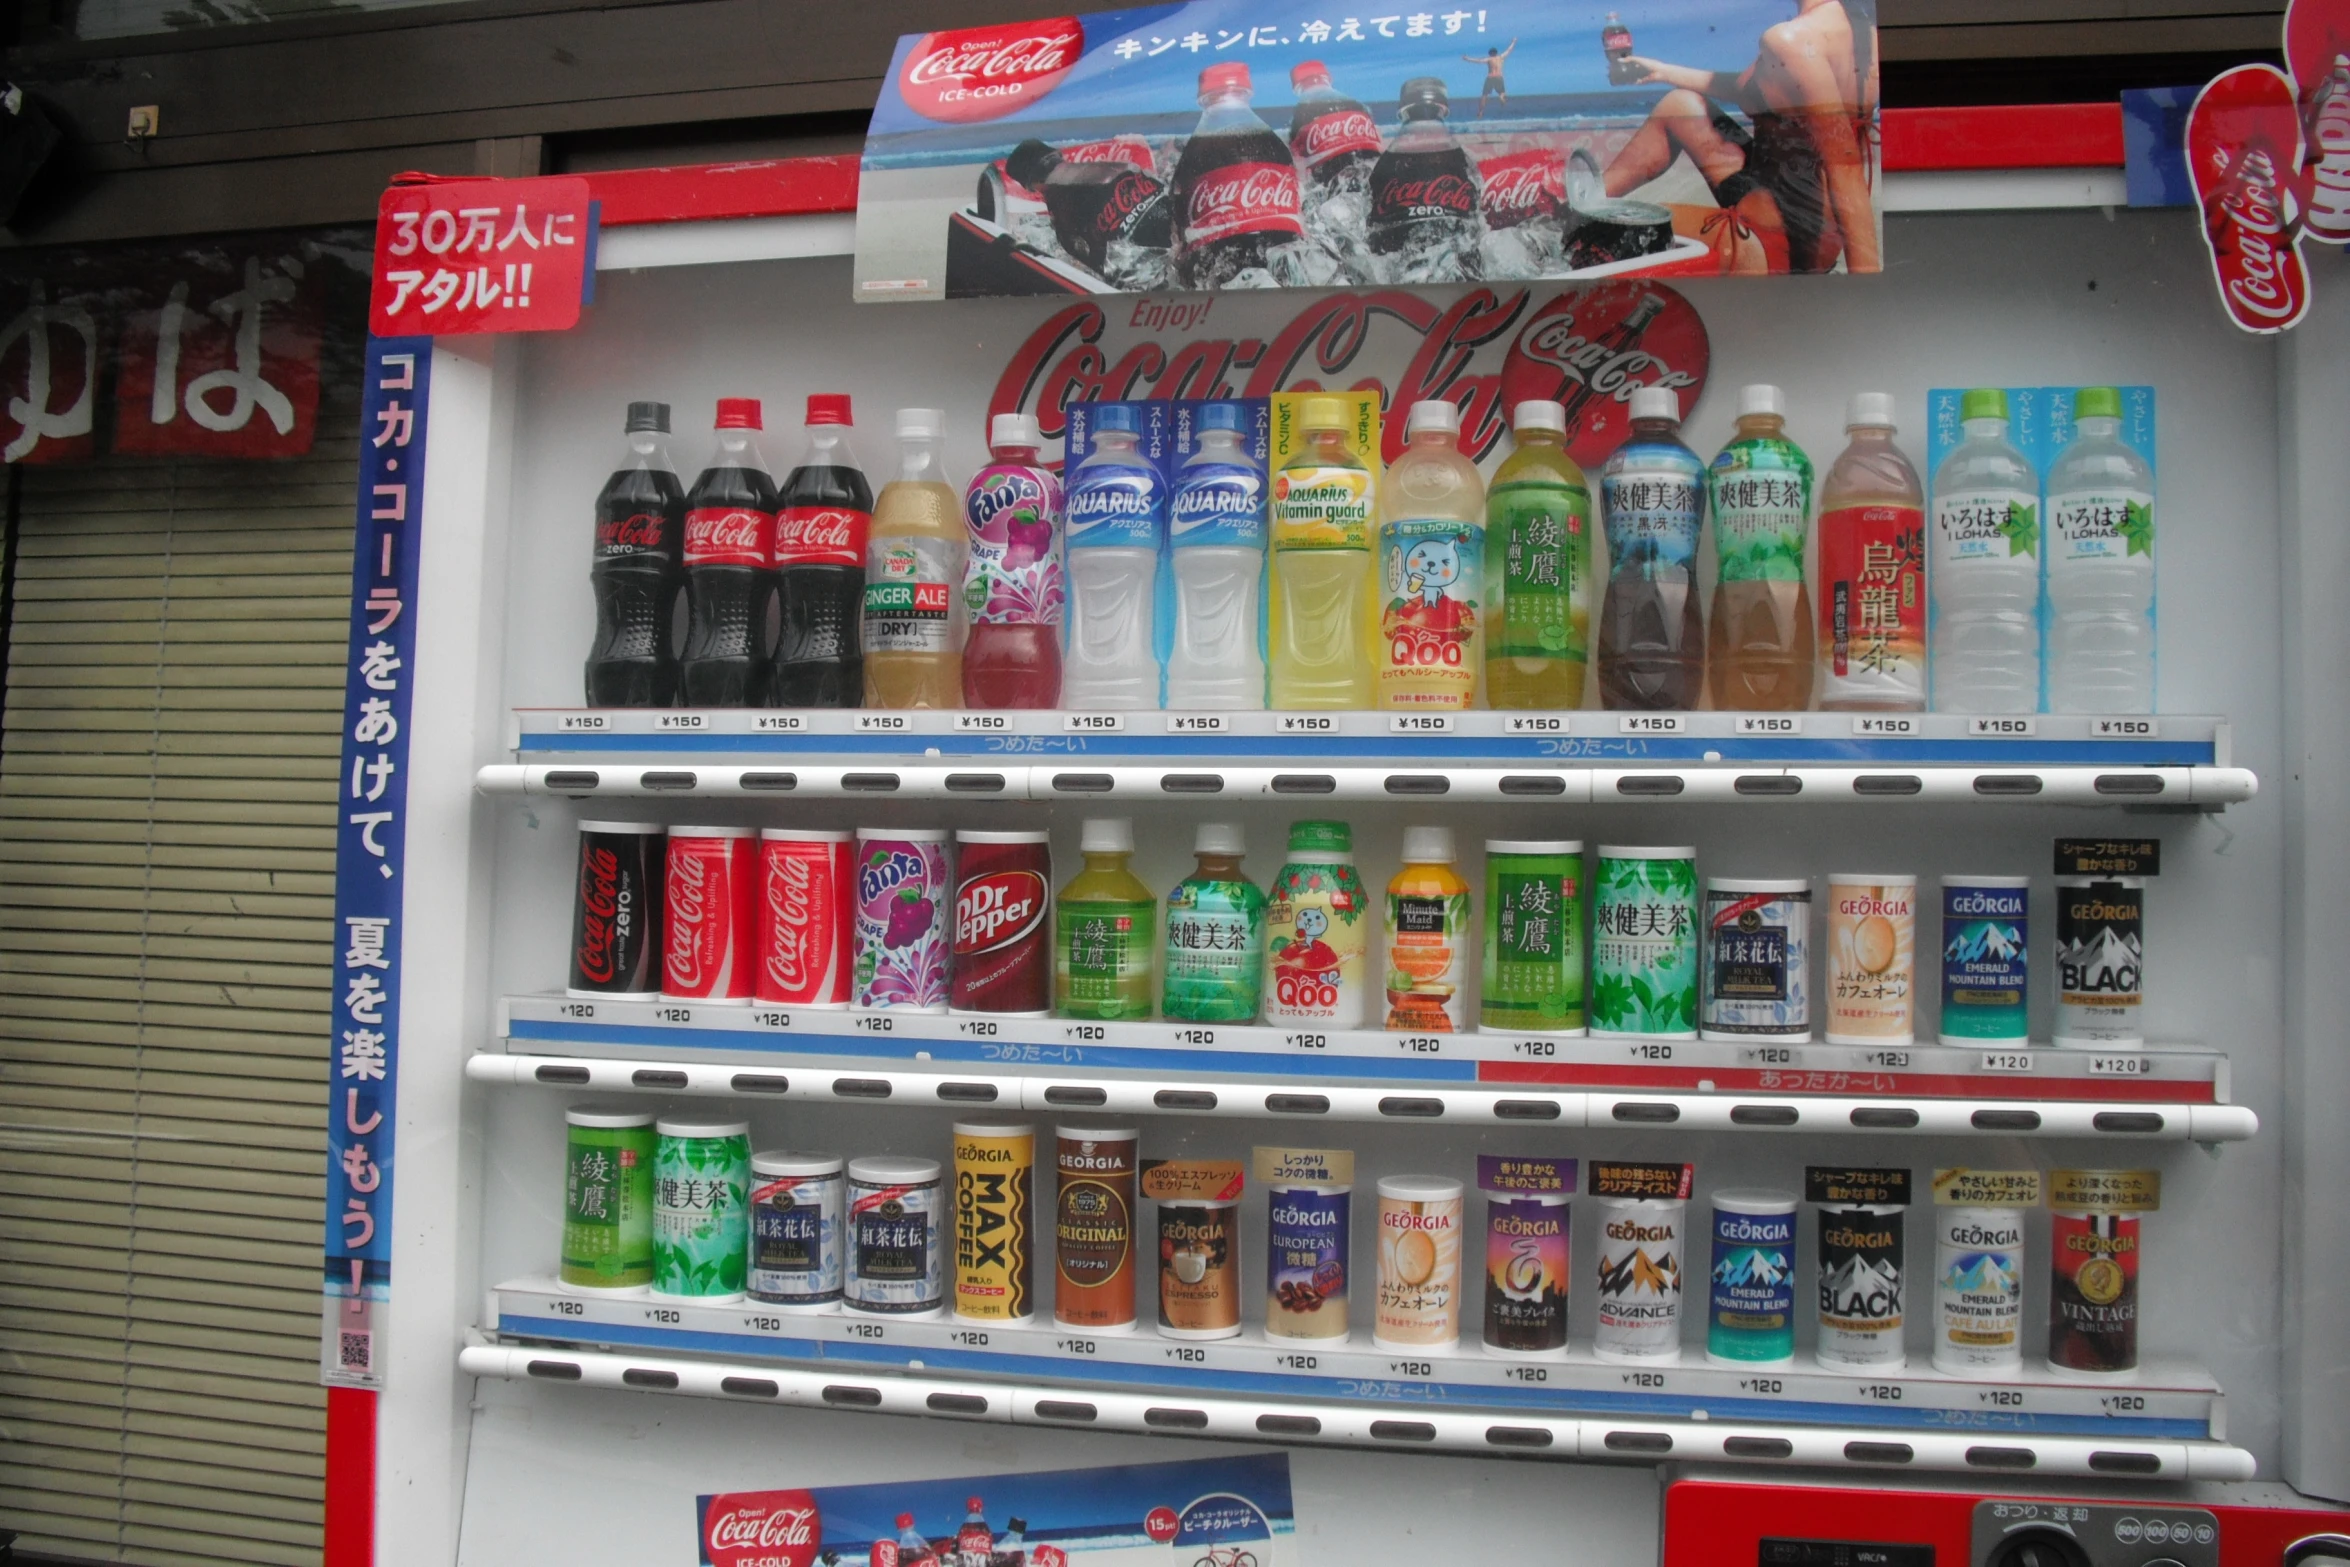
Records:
x=616, y=911
x=710, y=914
x=806, y=916
x=1003, y=960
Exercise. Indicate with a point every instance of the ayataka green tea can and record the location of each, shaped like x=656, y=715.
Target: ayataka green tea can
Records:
x=608, y=1200
x=1534, y=957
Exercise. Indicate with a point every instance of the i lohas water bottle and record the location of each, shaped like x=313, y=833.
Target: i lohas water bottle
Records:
x=1116, y=515
x=1985, y=576
x=1217, y=526
x=2100, y=566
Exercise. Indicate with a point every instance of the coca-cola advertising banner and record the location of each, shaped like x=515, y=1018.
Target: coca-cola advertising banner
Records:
x=1228, y=144
x=1233, y=1511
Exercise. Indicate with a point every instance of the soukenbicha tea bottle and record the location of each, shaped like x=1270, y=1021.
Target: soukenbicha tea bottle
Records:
x=1651, y=633
x=1760, y=647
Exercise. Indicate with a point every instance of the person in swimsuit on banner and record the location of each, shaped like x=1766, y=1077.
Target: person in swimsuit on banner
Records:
x=1793, y=192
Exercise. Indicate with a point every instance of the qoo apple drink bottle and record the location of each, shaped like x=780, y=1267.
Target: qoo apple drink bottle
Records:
x=2100, y=566
x=1322, y=500
x=1432, y=566
x=914, y=577
x=1986, y=573
x=1117, y=514
x=1217, y=525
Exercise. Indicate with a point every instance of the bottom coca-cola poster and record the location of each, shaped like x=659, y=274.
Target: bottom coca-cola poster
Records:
x=1234, y=1512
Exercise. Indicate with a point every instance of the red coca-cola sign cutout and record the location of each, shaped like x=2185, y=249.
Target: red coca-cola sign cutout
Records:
x=761, y=1529
x=1521, y=186
x=1592, y=347
x=1243, y=198
x=813, y=536
x=727, y=536
x=1160, y=1523
x=2244, y=155
x=968, y=74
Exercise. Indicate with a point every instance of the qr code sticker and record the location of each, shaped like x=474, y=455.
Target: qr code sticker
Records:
x=356, y=1351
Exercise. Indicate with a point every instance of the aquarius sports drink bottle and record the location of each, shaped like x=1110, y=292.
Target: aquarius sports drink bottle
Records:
x=913, y=634
x=2100, y=566
x=1424, y=225
x=1333, y=137
x=1872, y=570
x=1117, y=516
x=825, y=516
x=1322, y=500
x=1760, y=647
x=1236, y=191
x=1432, y=568
x=1537, y=567
x=1012, y=584
x=729, y=551
x=1986, y=573
x=1652, y=491
x=639, y=568
x=1216, y=524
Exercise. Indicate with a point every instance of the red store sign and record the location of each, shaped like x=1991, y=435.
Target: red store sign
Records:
x=456, y=256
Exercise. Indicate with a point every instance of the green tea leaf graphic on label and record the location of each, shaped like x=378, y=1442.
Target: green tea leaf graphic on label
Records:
x=2022, y=528
x=1611, y=999
x=2138, y=528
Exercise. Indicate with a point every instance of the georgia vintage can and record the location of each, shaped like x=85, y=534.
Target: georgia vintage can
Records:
x=2093, y=1273
x=2100, y=960
x=608, y=1200
x=708, y=913
x=1527, y=1206
x=1309, y=1206
x=1757, y=959
x=1872, y=960
x=1986, y=943
x=896, y=1262
x=807, y=917
x=616, y=911
x=903, y=919
x=1003, y=924
x=1093, y=1227
x=995, y=1242
x=1419, y=1301
x=796, y=1216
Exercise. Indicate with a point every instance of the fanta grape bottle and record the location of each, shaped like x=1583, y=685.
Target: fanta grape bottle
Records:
x=1432, y=568
x=1322, y=500
x=1012, y=582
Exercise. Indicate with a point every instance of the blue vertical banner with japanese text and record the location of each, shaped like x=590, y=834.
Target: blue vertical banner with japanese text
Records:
x=370, y=842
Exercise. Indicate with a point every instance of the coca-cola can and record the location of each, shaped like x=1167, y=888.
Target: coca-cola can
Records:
x=616, y=911
x=710, y=914
x=1003, y=961
x=807, y=918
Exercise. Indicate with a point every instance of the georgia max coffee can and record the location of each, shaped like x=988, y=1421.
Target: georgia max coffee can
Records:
x=995, y=1237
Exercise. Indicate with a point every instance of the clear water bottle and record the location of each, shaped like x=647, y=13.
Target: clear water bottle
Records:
x=1985, y=577
x=1218, y=531
x=2100, y=566
x=1116, y=515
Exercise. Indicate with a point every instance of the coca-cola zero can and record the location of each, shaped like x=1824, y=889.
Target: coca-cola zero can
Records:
x=1003, y=904
x=709, y=914
x=806, y=917
x=616, y=910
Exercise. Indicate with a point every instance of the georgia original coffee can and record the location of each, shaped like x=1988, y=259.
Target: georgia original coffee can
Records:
x=1003, y=961
x=1093, y=1227
x=616, y=911
x=806, y=917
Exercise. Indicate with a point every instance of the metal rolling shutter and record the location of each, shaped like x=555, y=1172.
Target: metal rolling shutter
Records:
x=167, y=799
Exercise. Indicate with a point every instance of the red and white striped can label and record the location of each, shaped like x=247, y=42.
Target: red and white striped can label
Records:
x=707, y=935
x=805, y=920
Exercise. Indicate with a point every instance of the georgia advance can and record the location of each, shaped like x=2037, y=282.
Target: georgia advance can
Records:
x=616, y=910
x=903, y=917
x=806, y=918
x=1003, y=924
x=608, y=1200
x=1986, y=944
x=1093, y=1227
x=1639, y=1278
x=1419, y=1300
x=995, y=1242
x=1872, y=959
x=708, y=914
x=2100, y=960
x=896, y=1263
x=796, y=1214
x=1757, y=959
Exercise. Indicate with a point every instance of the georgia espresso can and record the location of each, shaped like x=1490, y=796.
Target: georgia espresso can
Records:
x=1003, y=961
x=807, y=920
x=616, y=910
x=896, y=1262
x=708, y=913
x=995, y=1240
x=1093, y=1227
x=2100, y=960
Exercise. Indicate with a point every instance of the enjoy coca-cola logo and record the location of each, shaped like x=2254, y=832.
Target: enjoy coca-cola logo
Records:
x=1242, y=198
x=727, y=536
x=761, y=1529
x=799, y=948
x=693, y=910
x=639, y=530
x=1523, y=185
x=1591, y=348
x=820, y=536
x=2244, y=154
x=967, y=74
x=997, y=910
x=1334, y=135
x=599, y=902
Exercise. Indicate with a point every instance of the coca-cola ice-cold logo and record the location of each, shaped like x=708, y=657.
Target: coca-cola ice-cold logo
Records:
x=820, y=536
x=760, y=1529
x=2244, y=155
x=968, y=74
x=1243, y=198
x=727, y=536
x=1591, y=348
x=996, y=910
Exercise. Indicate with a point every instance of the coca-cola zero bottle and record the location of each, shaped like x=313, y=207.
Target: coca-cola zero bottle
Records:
x=1094, y=205
x=639, y=568
x=1332, y=136
x=729, y=548
x=1236, y=189
x=1424, y=218
x=825, y=513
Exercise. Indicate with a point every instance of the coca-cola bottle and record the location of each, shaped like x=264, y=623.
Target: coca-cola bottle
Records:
x=1095, y=205
x=824, y=515
x=1615, y=41
x=1236, y=189
x=1424, y=219
x=729, y=547
x=1332, y=137
x=975, y=1541
x=639, y=567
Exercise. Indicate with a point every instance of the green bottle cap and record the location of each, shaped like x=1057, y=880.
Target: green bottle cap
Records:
x=2097, y=402
x=1321, y=838
x=1984, y=402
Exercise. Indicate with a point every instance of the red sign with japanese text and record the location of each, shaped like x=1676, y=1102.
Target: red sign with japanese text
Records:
x=48, y=381
x=458, y=256
x=224, y=367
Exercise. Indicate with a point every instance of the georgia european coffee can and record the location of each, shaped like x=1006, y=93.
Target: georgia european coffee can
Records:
x=2100, y=960
x=608, y=1199
x=797, y=1201
x=1093, y=1227
x=806, y=917
x=1003, y=961
x=709, y=914
x=616, y=910
x=896, y=1262
x=1309, y=1204
x=995, y=1242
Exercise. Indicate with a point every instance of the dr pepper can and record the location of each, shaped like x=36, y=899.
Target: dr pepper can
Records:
x=1003, y=924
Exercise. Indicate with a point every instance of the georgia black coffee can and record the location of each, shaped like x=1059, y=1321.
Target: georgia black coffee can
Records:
x=616, y=910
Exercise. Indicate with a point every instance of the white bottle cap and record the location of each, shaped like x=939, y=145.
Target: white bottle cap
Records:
x=1106, y=834
x=1656, y=402
x=1219, y=838
x=1539, y=413
x=922, y=423
x=1428, y=846
x=1761, y=399
x=1433, y=414
x=1871, y=410
x=1014, y=430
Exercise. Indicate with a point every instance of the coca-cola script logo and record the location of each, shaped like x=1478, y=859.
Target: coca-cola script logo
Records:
x=997, y=910
x=696, y=916
x=2244, y=155
x=969, y=74
x=1591, y=348
x=639, y=530
x=1333, y=135
x=820, y=536
x=727, y=536
x=760, y=1529
x=1243, y=198
x=599, y=901
x=1437, y=196
x=799, y=944
x=1520, y=186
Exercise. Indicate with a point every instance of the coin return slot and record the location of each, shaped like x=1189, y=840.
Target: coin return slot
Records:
x=1297, y=1104
x=861, y=1087
x=638, y=1378
x=1631, y=1110
x=1061, y=1409
x=1531, y=783
x=1176, y=1419
x=1403, y=1431
x=1757, y=1447
x=858, y=1397
x=759, y=1083
x=2006, y=1120
x=1082, y=783
x=1526, y=1109
x=2125, y=1463
x=1418, y=783
x=1184, y=1099
x=568, y=780
x=771, y=783
x=1191, y=783
x=1879, y=1452
x=870, y=783
x=1304, y=783
x=1768, y=783
x=554, y=1370
x=1397, y=1104
x=968, y=1093
x=652, y=1077
x=2128, y=783
x=750, y=1387
x=1882, y=1118
x=1888, y=783
x=1651, y=784
x=561, y=1074
x=2128, y=1121
x=666, y=780
x=2001, y=1457
x=2007, y=783
x=1764, y=1115
x=975, y=783
x=1289, y=1425
x=957, y=1403
x=1066, y=1094
x=1639, y=1442
x=1517, y=1436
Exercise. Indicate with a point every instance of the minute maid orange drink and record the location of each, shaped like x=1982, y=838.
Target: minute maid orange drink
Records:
x=1324, y=496
x=1431, y=568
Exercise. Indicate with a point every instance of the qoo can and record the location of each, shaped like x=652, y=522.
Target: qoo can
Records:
x=1093, y=1227
x=896, y=1262
x=902, y=920
x=2100, y=960
x=1757, y=959
x=1199, y=1268
x=1751, y=1320
x=1306, y=1261
x=1003, y=962
x=1978, y=1290
x=608, y=1200
x=1986, y=944
x=1419, y=1303
x=1872, y=960
x=709, y=905
x=797, y=1205
x=616, y=910
x=1861, y=1282
x=2093, y=1292
x=701, y=1208
x=806, y=917
x=1639, y=1279
x=995, y=1239
x=1644, y=943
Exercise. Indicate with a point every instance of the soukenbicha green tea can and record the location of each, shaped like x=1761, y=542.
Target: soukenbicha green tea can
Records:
x=701, y=1208
x=607, y=1199
x=1644, y=943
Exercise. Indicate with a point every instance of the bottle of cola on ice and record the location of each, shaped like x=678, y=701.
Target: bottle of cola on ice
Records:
x=1095, y=205
x=824, y=516
x=639, y=566
x=1424, y=217
x=729, y=550
x=1332, y=137
x=1236, y=190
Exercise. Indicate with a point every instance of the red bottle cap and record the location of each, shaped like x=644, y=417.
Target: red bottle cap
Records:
x=738, y=413
x=1308, y=73
x=829, y=408
x=971, y=1504
x=1230, y=75
x=905, y=1520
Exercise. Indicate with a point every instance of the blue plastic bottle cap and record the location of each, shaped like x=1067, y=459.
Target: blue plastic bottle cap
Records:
x=1220, y=416
x=1115, y=417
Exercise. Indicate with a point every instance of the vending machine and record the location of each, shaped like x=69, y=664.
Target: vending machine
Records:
x=1272, y=833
